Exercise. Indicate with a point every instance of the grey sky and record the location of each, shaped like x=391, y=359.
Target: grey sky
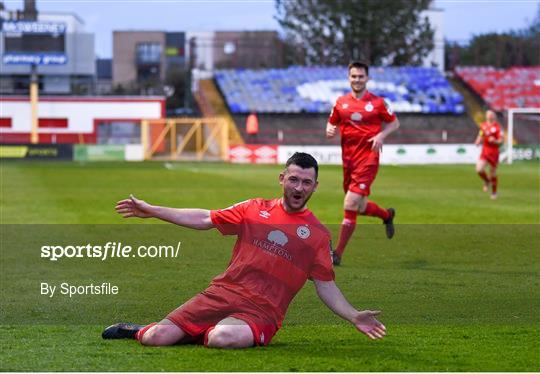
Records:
x=462, y=18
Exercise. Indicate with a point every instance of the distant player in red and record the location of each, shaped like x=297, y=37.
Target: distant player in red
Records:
x=491, y=138
x=360, y=116
x=280, y=245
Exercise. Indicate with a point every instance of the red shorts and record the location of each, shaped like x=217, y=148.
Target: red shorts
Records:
x=491, y=157
x=360, y=179
x=199, y=315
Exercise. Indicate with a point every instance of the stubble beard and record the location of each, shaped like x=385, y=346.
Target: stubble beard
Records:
x=289, y=202
x=358, y=92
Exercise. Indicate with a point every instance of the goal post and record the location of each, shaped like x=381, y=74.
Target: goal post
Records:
x=510, y=136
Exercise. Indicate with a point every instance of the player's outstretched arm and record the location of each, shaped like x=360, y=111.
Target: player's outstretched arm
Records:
x=364, y=321
x=198, y=219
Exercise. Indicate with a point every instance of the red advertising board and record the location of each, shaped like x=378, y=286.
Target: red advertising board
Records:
x=253, y=154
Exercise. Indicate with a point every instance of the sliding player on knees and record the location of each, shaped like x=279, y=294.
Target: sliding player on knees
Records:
x=280, y=245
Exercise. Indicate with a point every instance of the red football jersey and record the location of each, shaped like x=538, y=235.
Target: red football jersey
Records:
x=274, y=255
x=358, y=121
x=488, y=130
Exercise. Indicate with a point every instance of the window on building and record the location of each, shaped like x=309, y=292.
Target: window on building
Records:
x=148, y=53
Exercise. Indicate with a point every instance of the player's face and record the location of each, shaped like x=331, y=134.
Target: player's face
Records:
x=358, y=79
x=490, y=116
x=298, y=186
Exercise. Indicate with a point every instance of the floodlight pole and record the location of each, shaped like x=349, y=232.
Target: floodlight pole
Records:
x=34, y=93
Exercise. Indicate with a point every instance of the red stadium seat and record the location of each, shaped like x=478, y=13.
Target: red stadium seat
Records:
x=501, y=89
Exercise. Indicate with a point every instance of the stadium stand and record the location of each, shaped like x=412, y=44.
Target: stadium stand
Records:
x=474, y=105
x=211, y=104
x=293, y=104
x=315, y=89
x=501, y=89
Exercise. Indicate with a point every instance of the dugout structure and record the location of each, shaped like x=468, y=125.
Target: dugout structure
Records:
x=185, y=139
x=512, y=113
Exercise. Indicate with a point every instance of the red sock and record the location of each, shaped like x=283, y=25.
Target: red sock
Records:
x=347, y=228
x=494, y=185
x=374, y=210
x=484, y=176
x=141, y=332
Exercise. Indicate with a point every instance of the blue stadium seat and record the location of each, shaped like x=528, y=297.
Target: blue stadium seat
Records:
x=313, y=89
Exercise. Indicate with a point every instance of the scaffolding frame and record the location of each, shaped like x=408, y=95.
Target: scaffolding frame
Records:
x=204, y=131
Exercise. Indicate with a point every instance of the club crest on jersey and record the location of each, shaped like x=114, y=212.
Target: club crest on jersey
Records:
x=264, y=214
x=369, y=107
x=303, y=232
x=356, y=117
x=345, y=106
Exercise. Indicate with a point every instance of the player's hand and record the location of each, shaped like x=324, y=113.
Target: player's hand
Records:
x=377, y=142
x=134, y=207
x=492, y=140
x=367, y=324
x=330, y=131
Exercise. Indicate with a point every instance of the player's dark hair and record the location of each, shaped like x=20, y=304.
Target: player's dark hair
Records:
x=305, y=161
x=359, y=65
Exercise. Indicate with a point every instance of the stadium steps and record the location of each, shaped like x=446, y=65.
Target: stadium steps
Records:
x=473, y=105
x=211, y=104
x=475, y=108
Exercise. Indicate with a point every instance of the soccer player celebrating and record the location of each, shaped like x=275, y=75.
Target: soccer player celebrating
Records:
x=360, y=116
x=491, y=137
x=280, y=245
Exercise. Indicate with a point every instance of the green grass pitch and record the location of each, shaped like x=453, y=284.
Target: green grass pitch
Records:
x=459, y=284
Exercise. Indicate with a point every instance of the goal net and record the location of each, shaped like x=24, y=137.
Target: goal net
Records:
x=523, y=138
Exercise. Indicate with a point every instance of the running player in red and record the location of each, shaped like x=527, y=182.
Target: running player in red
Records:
x=360, y=116
x=491, y=138
x=280, y=245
